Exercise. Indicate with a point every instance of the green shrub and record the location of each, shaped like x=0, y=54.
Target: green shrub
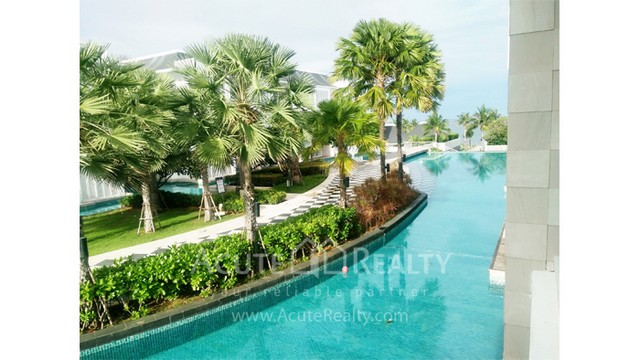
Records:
x=184, y=270
x=314, y=168
x=234, y=205
x=203, y=268
x=318, y=225
x=134, y=201
x=259, y=179
x=271, y=197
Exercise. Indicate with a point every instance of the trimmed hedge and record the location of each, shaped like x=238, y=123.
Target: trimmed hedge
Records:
x=259, y=179
x=272, y=176
x=232, y=203
x=205, y=267
x=314, y=168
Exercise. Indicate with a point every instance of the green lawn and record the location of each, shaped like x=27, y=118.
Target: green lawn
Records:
x=310, y=181
x=118, y=229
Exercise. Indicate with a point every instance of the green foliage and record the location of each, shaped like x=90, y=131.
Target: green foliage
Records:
x=441, y=138
x=496, y=132
x=259, y=179
x=314, y=168
x=192, y=269
x=318, y=225
x=231, y=200
x=272, y=176
x=271, y=196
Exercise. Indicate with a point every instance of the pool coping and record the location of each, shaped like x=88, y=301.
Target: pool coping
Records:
x=153, y=321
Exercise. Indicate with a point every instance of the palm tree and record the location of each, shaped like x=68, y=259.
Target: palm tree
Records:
x=369, y=60
x=123, y=121
x=299, y=89
x=468, y=123
x=436, y=125
x=343, y=123
x=483, y=116
x=200, y=134
x=243, y=77
x=409, y=125
x=419, y=79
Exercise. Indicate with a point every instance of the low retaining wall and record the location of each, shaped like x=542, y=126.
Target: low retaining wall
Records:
x=495, y=148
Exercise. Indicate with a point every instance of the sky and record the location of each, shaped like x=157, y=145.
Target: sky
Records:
x=472, y=35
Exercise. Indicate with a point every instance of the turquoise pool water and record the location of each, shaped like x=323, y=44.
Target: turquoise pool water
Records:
x=422, y=293
x=183, y=187
x=100, y=207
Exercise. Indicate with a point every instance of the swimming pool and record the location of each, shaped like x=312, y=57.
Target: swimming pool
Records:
x=100, y=207
x=423, y=291
x=183, y=187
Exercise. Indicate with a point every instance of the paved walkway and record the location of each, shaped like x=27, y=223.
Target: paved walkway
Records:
x=326, y=193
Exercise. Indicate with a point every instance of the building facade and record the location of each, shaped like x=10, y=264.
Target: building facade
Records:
x=532, y=219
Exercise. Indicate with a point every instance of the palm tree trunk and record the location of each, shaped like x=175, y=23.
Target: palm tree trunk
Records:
x=342, y=151
x=294, y=167
x=436, y=138
x=206, y=194
x=250, y=221
x=239, y=172
x=383, y=158
x=147, y=211
x=399, y=131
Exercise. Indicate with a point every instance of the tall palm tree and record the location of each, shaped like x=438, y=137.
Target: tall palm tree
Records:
x=436, y=125
x=123, y=121
x=483, y=116
x=343, y=123
x=418, y=80
x=243, y=77
x=468, y=123
x=368, y=59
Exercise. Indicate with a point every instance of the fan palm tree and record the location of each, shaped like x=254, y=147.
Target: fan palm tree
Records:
x=299, y=90
x=436, y=125
x=123, y=121
x=243, y=77
x=200, y=134
x=418, y=80
x=343, y=123
x=369, y=59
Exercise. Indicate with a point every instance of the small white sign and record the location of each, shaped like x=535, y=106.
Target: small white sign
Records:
x=220, y=184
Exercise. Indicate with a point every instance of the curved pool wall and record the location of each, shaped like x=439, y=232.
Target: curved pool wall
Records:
x=451, y=311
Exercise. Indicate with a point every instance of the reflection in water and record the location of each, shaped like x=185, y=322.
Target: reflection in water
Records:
x=438, y=165
x=487, y=165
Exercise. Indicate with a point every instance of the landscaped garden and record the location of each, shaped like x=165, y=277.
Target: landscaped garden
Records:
x=245, y=106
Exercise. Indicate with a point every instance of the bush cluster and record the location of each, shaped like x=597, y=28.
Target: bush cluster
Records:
x=272, y=175
x=258, y=179
x=231, y=201
x=376, y=201
x=328, y=225
x=205, y=267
